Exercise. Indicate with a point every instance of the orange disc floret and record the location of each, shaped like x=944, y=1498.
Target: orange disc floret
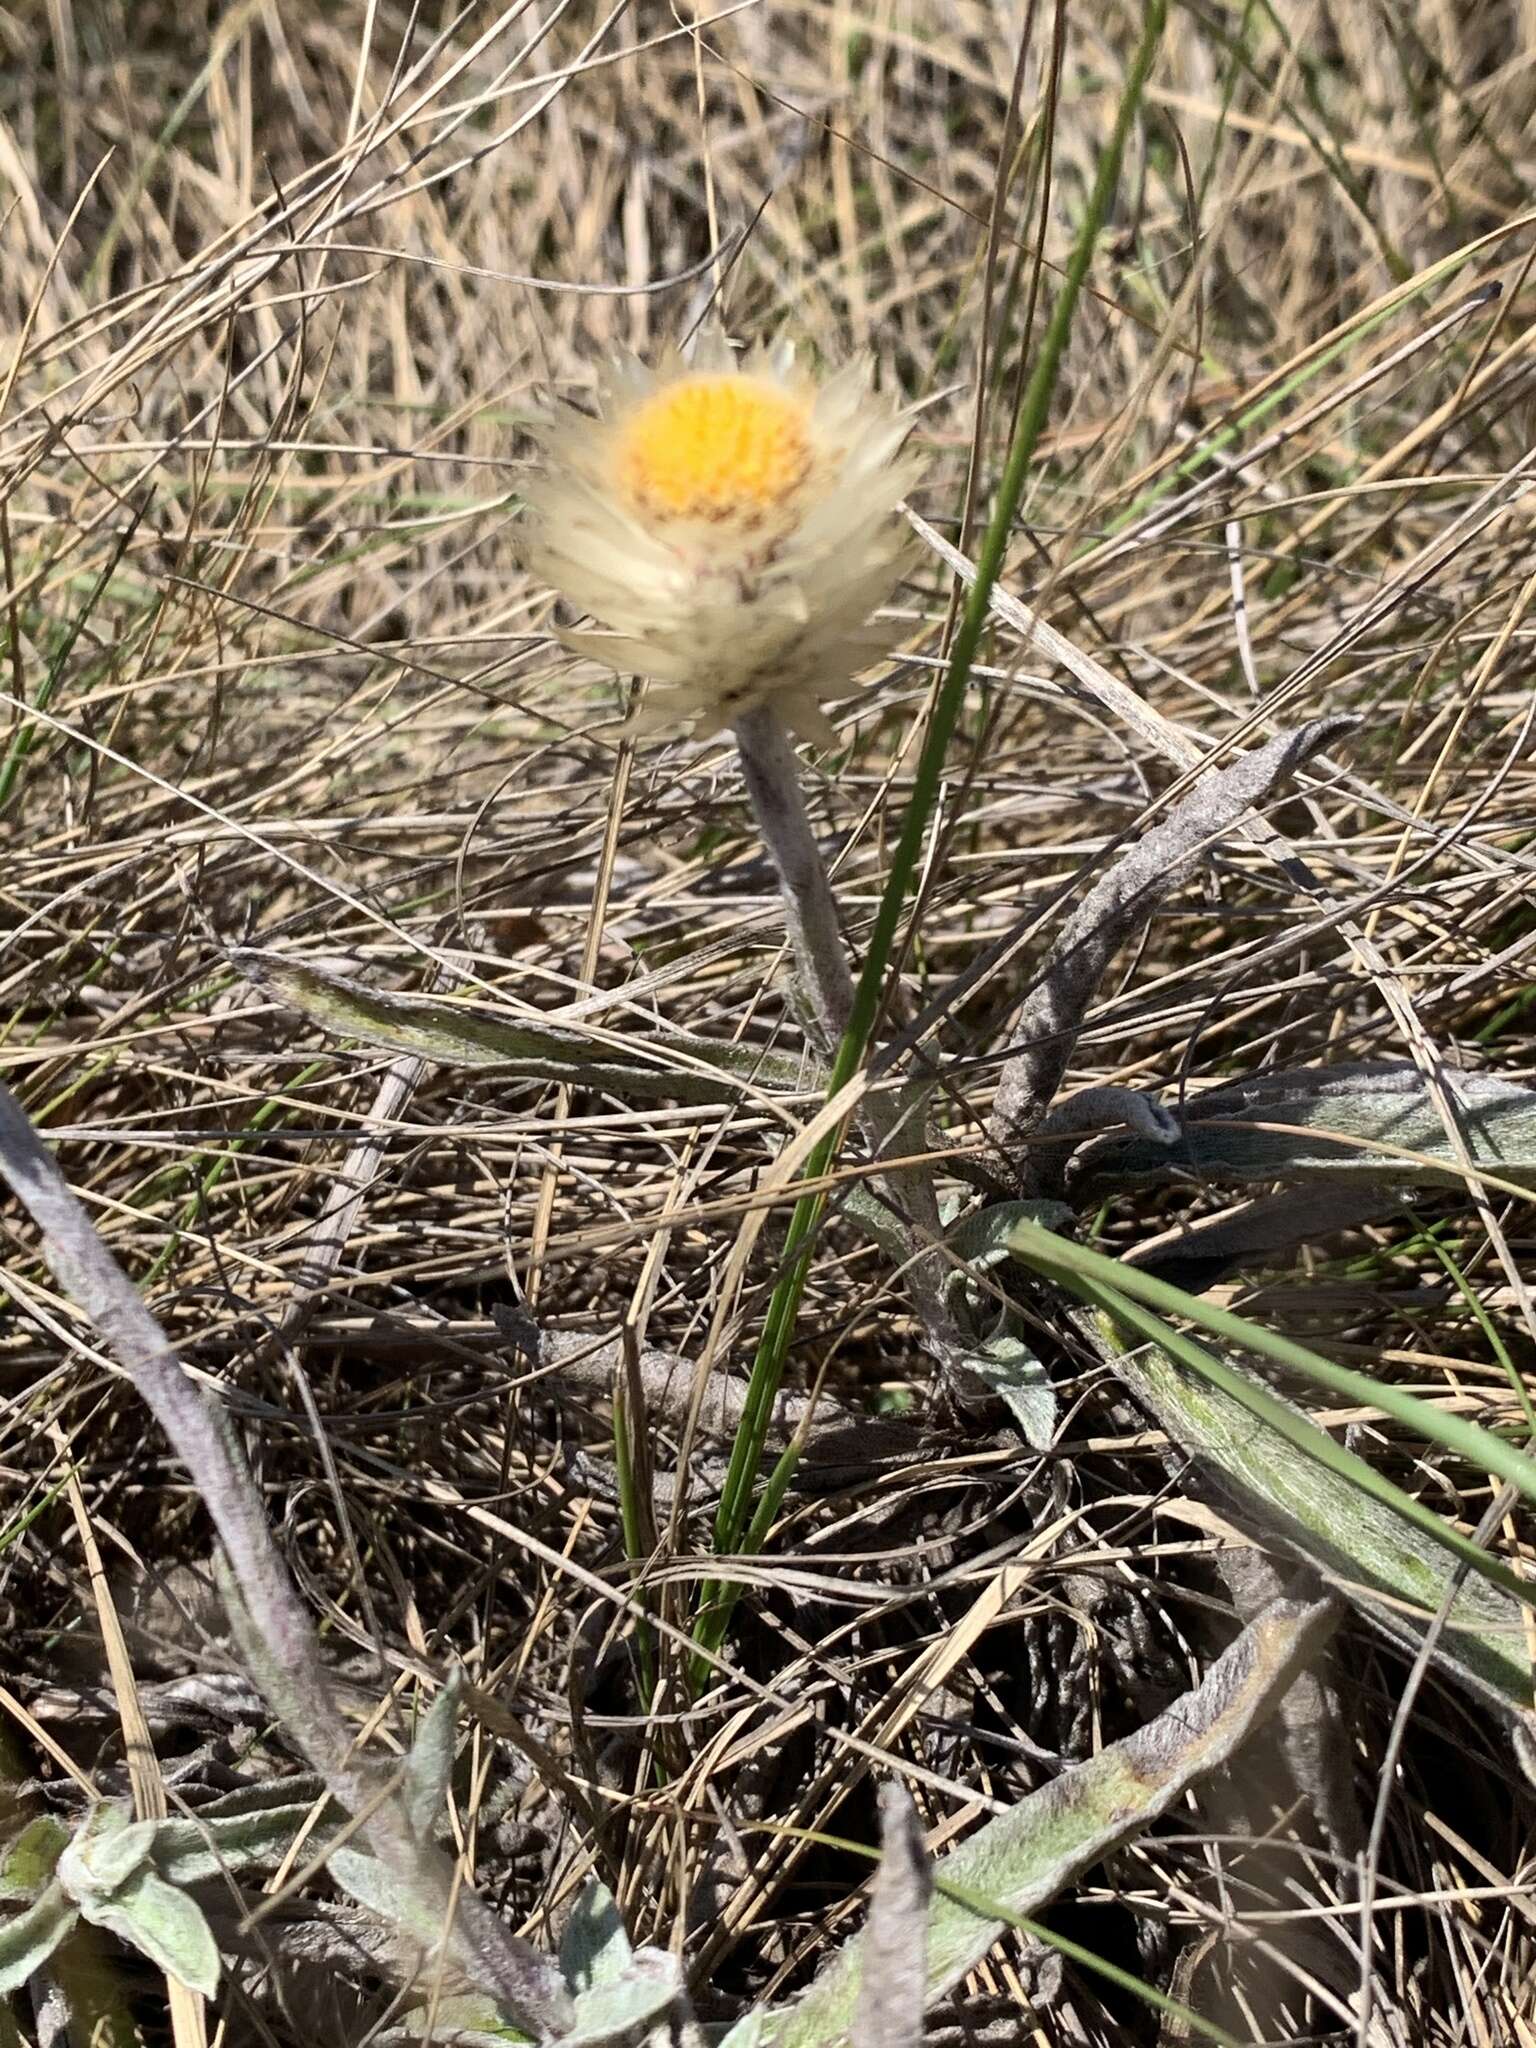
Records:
x=730, y=448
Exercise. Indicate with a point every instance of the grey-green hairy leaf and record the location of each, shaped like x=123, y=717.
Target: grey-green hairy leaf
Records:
x=444, y=2034
x=750, y=2031
x=28, y=1939
x=1001, y=1357
x=1121, y=902
x=1122, y=1288
x=164, y=1923
x=612, y=2013
x=1197, y=1250
x=378, y=1888
x=893, y=1981
x=108, y=1848
x=1391, y=1553
x=674, y=1065
x=463, y=2021
x=1355, y=1123
x=1008, y=1365
x=1385, y=1566
x=28, y=1860
x=266, y=1616
x=981, y=1240
x=1023, y=1858
x=862, y=1205
x=260, y=1797
x=594, y=1948
x=429, y=1765
x=207, y=1845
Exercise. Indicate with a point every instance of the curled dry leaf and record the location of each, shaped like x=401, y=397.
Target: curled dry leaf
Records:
x=1018, y=1862
x=1375, y=1125
x=1118, y=905
x=893, y=1986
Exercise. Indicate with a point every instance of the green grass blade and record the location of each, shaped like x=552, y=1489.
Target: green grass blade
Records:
x=1392, y=1556
x=734, y=1516
x=25, y=735
x=1480, y=1447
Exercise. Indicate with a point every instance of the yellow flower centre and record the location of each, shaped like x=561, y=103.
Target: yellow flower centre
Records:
x=728, y=448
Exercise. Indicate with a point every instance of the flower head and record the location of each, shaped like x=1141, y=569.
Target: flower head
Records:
x=732, y=526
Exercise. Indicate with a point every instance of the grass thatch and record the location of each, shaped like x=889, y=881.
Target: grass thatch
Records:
x=281, y=286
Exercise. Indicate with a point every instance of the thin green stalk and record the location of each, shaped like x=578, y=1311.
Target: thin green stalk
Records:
x=1123, y=1315
x=1081, y=1268
x=1326, y=145
x=734, y=1515
x=1238, y=424
x=1490, y=1330
x=639, y=1538
x=192, y=1208
x=25, y=735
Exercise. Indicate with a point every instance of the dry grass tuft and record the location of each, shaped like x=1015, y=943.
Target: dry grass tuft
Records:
x=280, y=288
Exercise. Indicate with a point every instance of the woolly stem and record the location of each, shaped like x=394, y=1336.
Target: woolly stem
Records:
x=270, y=1621
x=772, y=776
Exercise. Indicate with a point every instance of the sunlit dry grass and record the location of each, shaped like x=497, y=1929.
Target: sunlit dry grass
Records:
x=279, y=293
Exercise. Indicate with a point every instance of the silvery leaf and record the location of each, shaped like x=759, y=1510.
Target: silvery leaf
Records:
x=1024, y=1857
x=192, y=1850
x=467, y=2020
x=429, y=1766
x=612, y=2013
x=671, y=1064
x=981, y=1239
x=262, y=1797
x=393, y=1898
x=750, y=2031
x=1001, y=1356
x=1010, y=1368
x=28, y=1939
x=978, y=1245
x=594, y=1948
x=1366, y=1123
x=892, y=1983
x=105, y=1853
x=165, y=1924
x=367, y=1880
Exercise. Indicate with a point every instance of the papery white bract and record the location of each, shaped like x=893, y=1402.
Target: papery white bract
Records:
x=732, y=525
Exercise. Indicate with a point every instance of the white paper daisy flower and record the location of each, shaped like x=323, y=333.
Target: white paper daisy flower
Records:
x=732, y=526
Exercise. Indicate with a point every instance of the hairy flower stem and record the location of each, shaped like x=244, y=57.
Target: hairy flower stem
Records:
x=772, y=776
